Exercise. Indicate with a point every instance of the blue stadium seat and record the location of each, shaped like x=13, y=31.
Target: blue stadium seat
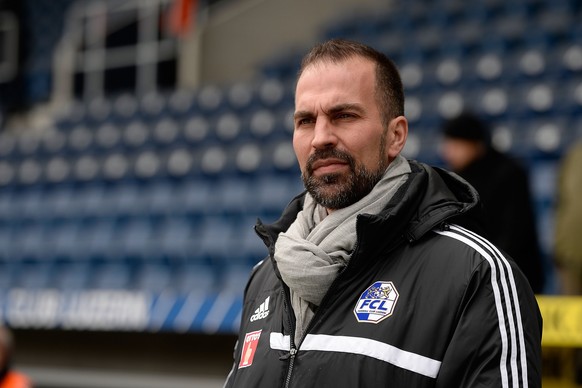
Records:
x=240, y=96
x=274, y=192
x=180, y=162
x=99, y=110
x=151, y=105
x=53, y=142
x=279, y=157
x=99, y=236
x=249, y=158
x=195, y=278
x=124, y=108
x=29, y=172
x=32, y=240
x=154, y=277
x=195, y=196
x=66, y=239
x=148, y=164
x=262, y=123
x=7, y=146
x=234, y=195
x=8, y=199
x=165, y=132
x=87, y=168
x=112, y=276
x=57, y=201
x=8, y=271
x=210, y=99
x=160, y=198
x=80, y=139
x=136, y=134
x=90, y=199
x=35, y=275
x=58, y=170
x=234, y=278
x=134, y=236
x=196, y=130
x=181, y=102
x=227, y=127
x=115, y=167
x=72, y=275
x=108, y=137
x=124, y=199
x=177, y=238
x=215, y=240
x=216, y=160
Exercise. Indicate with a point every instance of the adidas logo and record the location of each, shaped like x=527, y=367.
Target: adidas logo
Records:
x=262, y=311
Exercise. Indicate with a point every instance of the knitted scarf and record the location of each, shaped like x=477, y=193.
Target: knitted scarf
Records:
x=317, y=246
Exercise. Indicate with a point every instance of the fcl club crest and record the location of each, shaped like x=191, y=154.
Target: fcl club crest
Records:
x=376, y=303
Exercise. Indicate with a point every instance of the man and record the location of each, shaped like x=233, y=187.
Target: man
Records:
x=503, y=186
x=9, y=378
x=370, y=279
x=568, y=244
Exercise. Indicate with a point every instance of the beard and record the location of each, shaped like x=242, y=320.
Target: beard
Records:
x=339, y=190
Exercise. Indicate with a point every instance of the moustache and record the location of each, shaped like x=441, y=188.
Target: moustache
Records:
x=330, y=153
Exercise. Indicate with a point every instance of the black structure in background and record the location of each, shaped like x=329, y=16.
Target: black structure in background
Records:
x=12, y=56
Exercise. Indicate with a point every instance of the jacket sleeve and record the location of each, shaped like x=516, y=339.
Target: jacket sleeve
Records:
x=497, y=338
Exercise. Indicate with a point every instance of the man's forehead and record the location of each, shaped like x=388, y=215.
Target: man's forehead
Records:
x=326, y=63
x=340, y=82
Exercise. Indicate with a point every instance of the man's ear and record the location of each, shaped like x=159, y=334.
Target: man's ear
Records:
x=397, y=134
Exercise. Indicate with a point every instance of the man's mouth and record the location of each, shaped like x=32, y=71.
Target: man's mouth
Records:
x=328, y=166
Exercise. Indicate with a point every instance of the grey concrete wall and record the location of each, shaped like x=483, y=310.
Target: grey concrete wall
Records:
x=238, y=35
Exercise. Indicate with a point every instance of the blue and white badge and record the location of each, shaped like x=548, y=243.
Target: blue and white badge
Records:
x=376, y=303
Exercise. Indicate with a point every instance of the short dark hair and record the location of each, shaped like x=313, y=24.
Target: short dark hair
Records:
x=468, y=126
x=389, y=89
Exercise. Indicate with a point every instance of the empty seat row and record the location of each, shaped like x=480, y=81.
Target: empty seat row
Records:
x=167, y=132
x=154, y=276
x=245, y=158
x=208, y=100
x=196, y=197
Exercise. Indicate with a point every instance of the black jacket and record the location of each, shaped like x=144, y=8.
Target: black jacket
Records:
x=422, y=303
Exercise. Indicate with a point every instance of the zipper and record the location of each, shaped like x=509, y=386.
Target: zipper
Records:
x=292, y=348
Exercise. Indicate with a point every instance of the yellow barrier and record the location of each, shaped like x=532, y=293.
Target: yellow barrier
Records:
x=562, y=320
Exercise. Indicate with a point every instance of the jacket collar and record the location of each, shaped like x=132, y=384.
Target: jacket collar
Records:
x=428, y=198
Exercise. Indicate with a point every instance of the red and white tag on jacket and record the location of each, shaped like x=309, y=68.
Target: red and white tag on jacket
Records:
x=249, y=348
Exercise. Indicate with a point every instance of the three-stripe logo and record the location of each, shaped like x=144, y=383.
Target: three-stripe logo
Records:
x=262, y=311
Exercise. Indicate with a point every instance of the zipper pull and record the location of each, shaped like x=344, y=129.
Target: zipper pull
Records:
x=291, y=354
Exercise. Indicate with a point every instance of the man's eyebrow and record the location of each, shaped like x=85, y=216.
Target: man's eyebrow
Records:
x=301, y=114
x=333, y=110
x=344, y=107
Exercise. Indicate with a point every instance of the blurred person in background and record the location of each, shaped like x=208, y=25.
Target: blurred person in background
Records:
x=568, y=236
x=371, y=280
x=9, y=378
x=503, y=185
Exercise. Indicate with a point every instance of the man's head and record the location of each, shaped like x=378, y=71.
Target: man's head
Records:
x=349, y=122
x=466, y=138
x=6, y=344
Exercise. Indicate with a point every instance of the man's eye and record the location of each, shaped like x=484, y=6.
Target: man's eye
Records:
x=345, y=116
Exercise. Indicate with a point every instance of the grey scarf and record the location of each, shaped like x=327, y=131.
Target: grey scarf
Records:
x=317, y=246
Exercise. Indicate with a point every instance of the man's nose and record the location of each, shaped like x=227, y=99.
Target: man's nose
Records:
x=324, y=135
